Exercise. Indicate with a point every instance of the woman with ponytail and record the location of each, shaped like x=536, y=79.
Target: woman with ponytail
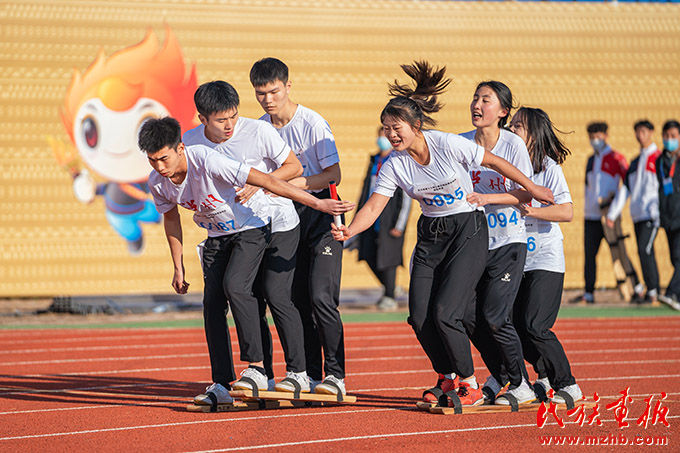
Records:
x=432, y=167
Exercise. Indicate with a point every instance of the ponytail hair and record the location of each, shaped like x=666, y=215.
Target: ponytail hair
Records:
x=542, y=139
x=414, y=104
x=504, y=96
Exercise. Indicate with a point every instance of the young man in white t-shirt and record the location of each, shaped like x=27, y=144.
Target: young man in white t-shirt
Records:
x=316, y=285
x=206, y=182
x=257, y=144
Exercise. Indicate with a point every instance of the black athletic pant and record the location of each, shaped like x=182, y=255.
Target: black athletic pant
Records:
x=674, y=248
x=273, y=287
x=536, y=307
x=448, y=260
x=492, y=331
x=645, y=233
x=592, y=238
x=229, y=268
x=316, y=292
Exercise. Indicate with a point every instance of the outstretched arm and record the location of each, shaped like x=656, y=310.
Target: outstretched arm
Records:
x=173, y=232
x=288, y=190
x=320, y=180
x=554, y=213
x=514, y=197
x=366, y=217
x=505, y=168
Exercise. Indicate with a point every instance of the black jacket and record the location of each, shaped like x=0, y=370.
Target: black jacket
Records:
x=669, y=205
x=387, y=248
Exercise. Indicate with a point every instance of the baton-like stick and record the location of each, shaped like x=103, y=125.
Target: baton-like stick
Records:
x=334, y=195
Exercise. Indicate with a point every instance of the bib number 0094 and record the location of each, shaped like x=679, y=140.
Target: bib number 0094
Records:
x=500, y=219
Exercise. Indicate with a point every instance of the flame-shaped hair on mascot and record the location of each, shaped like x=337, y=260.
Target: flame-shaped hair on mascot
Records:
x=105, y=107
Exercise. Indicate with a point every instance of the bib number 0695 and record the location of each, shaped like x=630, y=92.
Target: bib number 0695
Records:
x=447, y=198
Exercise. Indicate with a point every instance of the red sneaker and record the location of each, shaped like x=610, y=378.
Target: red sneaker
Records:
x=469, y=396
x=444, y=384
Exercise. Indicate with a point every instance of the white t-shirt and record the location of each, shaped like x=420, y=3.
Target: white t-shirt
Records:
x=544, y=238
x=257, y=144
x=312, y=141
x=441, y=186
x=208, y=190
x=506, y=225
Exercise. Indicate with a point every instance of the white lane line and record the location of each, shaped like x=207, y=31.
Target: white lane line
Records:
x=561, y=334
x=388, y=435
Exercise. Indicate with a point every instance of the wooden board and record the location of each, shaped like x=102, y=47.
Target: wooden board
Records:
x=253, y=405
x=493, y=408
x=286, y=396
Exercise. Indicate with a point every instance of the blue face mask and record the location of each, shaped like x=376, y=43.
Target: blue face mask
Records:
x=383, y=143
x=671, y=144
x=598, y=144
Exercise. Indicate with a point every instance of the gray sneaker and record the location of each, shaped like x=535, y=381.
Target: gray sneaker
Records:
x=671, y=300
x=221, y=394
x=493, y=387
x=259, y=378
x=387, y=304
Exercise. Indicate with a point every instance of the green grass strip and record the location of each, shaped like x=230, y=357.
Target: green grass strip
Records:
x=566, y=312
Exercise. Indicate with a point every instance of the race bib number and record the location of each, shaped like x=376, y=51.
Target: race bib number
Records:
x=533, y=237
x=440, y=194
x=503, y=221
x=220, y=220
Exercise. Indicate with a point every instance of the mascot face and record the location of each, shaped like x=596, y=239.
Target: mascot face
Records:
x=107, y=139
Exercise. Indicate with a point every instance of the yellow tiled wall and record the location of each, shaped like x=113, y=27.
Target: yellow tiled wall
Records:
x=578, y=61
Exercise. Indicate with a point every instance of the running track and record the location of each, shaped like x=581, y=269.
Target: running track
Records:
x=126, y=390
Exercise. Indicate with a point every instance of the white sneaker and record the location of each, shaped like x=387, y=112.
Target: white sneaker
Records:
x=259, y=378
x=330, y=386
x=573, y=390
x=221, y=393
x=271, y=383
x=493, y=385
x=523, y=394
x=287, y=386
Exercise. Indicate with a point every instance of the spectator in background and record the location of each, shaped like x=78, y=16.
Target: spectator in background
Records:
x=641, y=184
x=604, y=171
x=669, y=206
x=381, y=246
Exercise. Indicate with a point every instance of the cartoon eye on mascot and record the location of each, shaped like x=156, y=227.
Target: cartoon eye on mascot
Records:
x=104, y=109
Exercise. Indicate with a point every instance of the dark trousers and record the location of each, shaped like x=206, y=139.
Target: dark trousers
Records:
x=536, y=307
x=674, y=248
x=448, y=260
x=645, y=234
x=229, y=267
x=273, y=287
x=493, y=333
x=592, y=238
x=316, y=293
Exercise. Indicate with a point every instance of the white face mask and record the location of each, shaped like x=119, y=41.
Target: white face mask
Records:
x=597, y=144
x=384, y=144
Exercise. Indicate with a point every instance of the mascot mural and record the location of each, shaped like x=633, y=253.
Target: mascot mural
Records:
x=103, y=112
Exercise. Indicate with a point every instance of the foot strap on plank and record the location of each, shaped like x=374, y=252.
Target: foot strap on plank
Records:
x=455, y=400
x=514, y=404
x=339, y=390
x=434, y=391
x=539, y=390
x=213, y=401
x=490, y=394
x=296, y=386
x=253, y=386
x=569, y=401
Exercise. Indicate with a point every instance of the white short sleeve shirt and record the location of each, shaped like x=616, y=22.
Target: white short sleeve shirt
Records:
x=311, y=139
x=209, y=190
x=506, y=225
x=441, y=186
x=544, y=239
x=258, y=145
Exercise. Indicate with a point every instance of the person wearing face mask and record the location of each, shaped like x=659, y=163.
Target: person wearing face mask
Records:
x=605, y=170
x=381, y=246
x=641, y=184
x=669, y=206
